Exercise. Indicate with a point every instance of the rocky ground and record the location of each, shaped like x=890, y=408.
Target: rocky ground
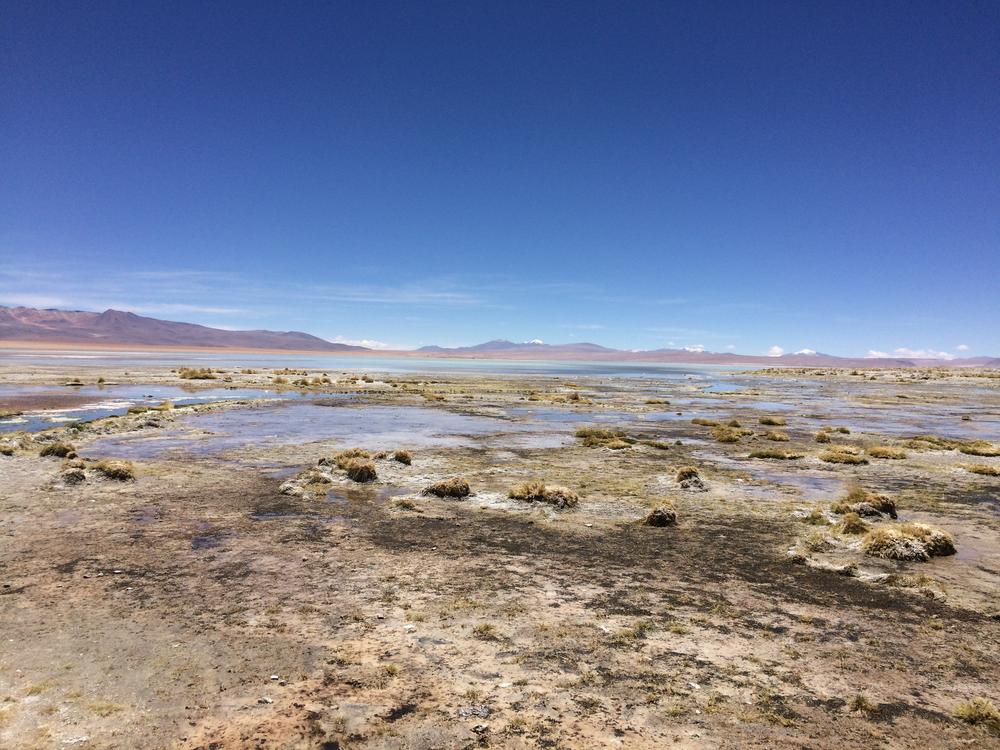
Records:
x=257, y=597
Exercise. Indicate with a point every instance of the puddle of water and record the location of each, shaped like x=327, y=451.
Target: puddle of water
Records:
x=93, y=402
x=371, y=427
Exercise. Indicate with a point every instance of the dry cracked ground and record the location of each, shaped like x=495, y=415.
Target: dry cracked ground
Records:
x=233, y=594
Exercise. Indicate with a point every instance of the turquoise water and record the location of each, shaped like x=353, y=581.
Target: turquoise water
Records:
x=374, y=363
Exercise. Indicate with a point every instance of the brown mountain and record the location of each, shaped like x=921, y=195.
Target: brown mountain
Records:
x=117, y=328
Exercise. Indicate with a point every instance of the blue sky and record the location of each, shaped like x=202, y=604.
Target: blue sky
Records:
x=723, y=175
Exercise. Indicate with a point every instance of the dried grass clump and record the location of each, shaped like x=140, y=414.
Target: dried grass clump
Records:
x=841, y=455
x=121, y=471
x=361, y=470
x=664, y=515
x=980, y=448
x=343, y=458
x=823, y=437
x=887, y=451
x=686, y=472
x=773, y=421
x=453, y=487
x=6, y=449
x=726, y=434
x=775, y=453
x=560, y=497
x=777, y=436
x=195, y=373
x=909, y=541
x=852, y=524
x=704, y=422
x=864, y=503
x=979, y=712
x=59, y=450
x=599, y=437
x=403, y=457
x=986, y=471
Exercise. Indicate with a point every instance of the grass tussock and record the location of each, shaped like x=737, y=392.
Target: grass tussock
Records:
x=723, y=434
x=865, y=503
x=361, y=470
x=6, y=449
x=776, y=435
x=686, y=472
x=120, y=471
x=59, y=450
x=531, y=492
x=979, y=712
x=403, y=457
x=343, y=458
x=778, y=454
x=823, y=437
x=657, y=402
x=773, y=421
x=860, y=704
x=196, y=373
x=980, y=448
x=599, y=437
x=704, y=422
x=852, y=524
x=452, y=487
x=664, y=515
x=842, y=455
x=909, y=541
x=984, y=470
x=887, y=451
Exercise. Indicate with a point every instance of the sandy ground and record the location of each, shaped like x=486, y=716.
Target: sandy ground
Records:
x=199, y=606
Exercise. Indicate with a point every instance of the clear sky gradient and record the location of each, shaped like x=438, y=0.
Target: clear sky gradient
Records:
x=642, y=175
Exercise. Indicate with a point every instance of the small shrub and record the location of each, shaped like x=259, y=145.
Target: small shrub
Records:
x=773, y=421
x=121, y=471
x=860, y=704
x=59, y=450
x=453, y=487
x=887, y=451
x=560, y=497
x=979, y=712
x=776, y=436
x=823, y=437
x=704, y=422
x=485, y=631
x=360, y=470
x=986, y=471
x=403, y=457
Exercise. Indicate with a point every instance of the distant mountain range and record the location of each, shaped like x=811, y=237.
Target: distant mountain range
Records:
x=115, y=328
x=503, y=349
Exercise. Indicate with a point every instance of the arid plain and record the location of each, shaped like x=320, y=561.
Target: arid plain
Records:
x=780, y=559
